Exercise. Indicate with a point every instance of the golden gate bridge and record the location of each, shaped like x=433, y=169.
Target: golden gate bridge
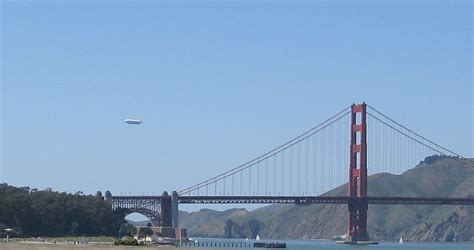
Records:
x=358, y=141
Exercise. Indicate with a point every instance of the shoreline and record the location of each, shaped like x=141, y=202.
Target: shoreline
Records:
x=32, y=245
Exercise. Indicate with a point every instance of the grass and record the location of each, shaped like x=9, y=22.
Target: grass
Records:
x=104, y=239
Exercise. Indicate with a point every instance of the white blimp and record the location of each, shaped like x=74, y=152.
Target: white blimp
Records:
x=132, y=121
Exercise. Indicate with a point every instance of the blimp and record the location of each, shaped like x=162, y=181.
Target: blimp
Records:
x=132, y=121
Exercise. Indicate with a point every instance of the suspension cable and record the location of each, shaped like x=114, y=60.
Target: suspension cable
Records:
x=411, y=131
x=458, y=156
x=272, y=152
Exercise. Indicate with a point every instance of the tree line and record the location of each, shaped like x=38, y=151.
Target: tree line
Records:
x=33, y=213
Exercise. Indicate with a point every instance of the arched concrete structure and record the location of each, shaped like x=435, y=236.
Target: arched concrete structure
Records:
x=149, y=206
x=153, y=216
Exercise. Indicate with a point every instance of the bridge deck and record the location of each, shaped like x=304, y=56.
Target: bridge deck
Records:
x=305, y=200
x=321, y=200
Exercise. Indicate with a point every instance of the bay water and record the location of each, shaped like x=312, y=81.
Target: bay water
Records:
x=332, y=245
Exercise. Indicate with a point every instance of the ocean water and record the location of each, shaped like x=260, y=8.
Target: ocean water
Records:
x=304, y=245
x=332, y=245
x=291, y=245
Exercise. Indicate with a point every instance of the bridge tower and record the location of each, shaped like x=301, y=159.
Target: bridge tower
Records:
x=358, y=175
x=174, y=209
x=169, y=209
x=166, y=210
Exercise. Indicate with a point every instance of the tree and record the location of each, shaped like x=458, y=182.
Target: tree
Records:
x=145, y=231
x=74, y=228
x=98, y=194
x=48, y=213
x=127, y=229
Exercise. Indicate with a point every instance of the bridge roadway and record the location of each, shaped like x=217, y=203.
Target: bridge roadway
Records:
x=304, y=200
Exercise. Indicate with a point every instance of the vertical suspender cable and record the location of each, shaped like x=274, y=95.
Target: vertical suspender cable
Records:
x=266, y=177
x=258, y=178
x=315, y=164
x=283, y=173
x=307, y=168
x=274, y=175
x=323, y=165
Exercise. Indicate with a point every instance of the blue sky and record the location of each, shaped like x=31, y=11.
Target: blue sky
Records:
x=216, y=84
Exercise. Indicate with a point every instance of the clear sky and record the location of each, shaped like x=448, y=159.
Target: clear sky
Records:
x=216, y=84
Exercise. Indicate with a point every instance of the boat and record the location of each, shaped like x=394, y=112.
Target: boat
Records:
x=401, y=240
x=339, y=237
x=257, y=237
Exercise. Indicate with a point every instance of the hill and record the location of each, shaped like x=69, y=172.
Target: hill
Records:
x=434, y=177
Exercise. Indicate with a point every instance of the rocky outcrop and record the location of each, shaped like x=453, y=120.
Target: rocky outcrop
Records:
x=458, y=226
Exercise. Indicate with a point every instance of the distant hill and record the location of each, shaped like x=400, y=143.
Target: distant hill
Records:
x=434, y=177
x=138, y=223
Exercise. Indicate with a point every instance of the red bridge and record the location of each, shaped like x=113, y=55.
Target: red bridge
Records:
x=305, y=168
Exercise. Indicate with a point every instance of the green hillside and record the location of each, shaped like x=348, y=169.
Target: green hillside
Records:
x=444, y=177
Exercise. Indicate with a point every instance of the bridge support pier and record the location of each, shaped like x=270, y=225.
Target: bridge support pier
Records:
x=358, y=220
x=358, y=206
